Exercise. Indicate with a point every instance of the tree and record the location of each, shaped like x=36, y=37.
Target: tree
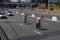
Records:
x=58, y=3
x=51, y=2
x=1, y=0
x=33, y=1
x=46, y=3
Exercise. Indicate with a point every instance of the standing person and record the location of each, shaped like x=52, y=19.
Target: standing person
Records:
x=38, y=23
x=25, y=18
x=39, y=27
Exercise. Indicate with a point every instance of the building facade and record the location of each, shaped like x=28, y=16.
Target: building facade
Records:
x=14, y=3
x=53, y=1
x=5, y=0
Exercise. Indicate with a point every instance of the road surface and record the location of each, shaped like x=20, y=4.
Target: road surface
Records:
x=16, y=29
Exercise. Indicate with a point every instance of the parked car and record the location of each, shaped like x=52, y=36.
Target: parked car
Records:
x=22, y=5
x=3, y=15
x=10, y=14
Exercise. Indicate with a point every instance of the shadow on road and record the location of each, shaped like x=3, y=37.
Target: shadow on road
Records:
x=34, y=37
x=43, y=29
x=53, y=33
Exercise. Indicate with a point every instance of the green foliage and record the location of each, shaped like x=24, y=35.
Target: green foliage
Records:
x=46, y=4
x=51, y=2
x=33, y=1
x=58, y=3
x=1, y=0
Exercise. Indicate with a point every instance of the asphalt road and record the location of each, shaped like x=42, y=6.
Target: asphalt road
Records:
x=16, y=29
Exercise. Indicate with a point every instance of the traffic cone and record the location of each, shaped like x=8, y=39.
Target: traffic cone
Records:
x=22, y=13
x=54, y=18
x=16, y=12
x=33, y=15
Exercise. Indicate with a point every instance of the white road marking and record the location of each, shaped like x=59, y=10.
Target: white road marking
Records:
x=20, y=24
x=38, y=32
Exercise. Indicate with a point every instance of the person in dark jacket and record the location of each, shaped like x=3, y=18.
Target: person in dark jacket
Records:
x=25, y=18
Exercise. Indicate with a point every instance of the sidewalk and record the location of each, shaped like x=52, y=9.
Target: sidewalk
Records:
x=55, y=12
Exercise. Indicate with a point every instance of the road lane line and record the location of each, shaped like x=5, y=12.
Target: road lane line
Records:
x=38, y=32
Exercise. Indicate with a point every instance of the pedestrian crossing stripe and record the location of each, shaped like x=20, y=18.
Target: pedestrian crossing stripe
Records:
x=38, y=32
